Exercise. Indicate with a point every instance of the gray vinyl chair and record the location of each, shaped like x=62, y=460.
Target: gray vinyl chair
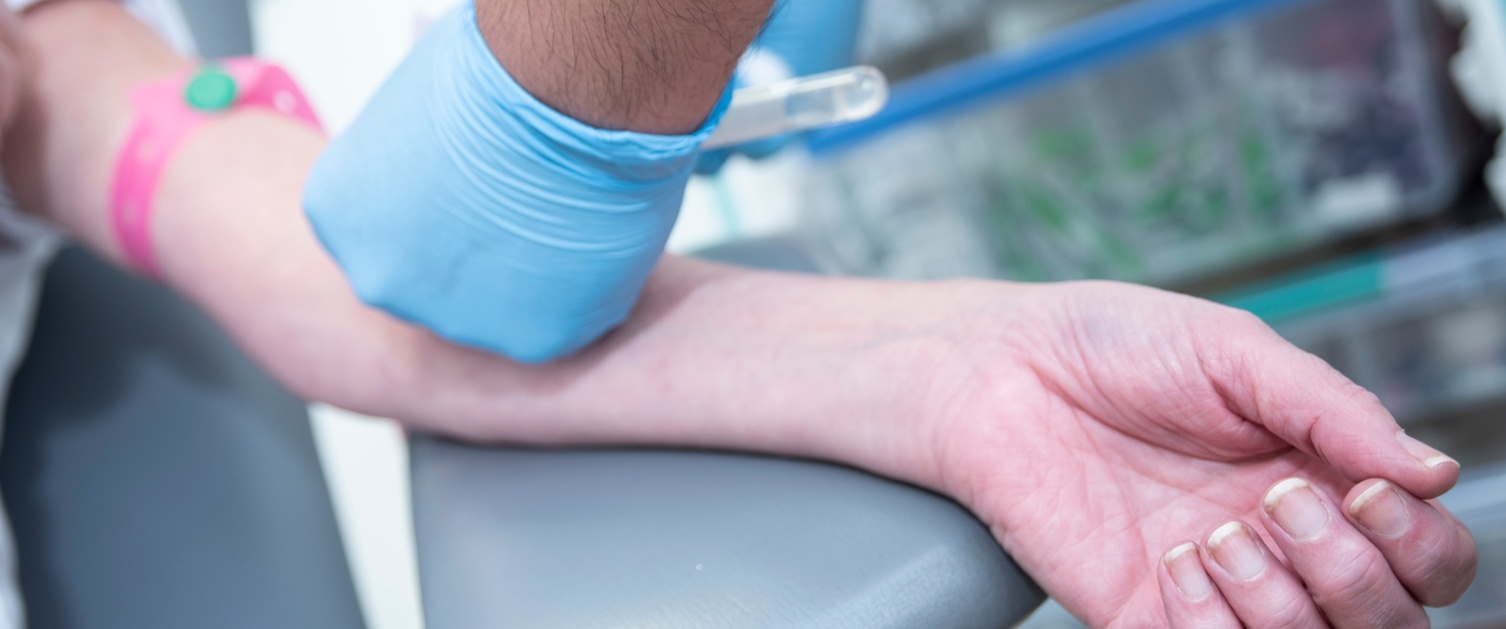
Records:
x=157, y=479
x=679, y=540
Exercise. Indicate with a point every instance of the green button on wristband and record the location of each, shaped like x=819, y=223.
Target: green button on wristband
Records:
x=212, y=89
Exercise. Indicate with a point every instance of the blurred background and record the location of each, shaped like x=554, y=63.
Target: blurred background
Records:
x=1326, y=164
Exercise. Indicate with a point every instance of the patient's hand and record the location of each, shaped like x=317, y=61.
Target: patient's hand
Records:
x=1129, y=421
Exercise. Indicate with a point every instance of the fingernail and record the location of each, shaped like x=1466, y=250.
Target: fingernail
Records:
x=1423, y=452
x=1233, y=547
x=1382, y=510
x=1295, y=506
x=1187, y=572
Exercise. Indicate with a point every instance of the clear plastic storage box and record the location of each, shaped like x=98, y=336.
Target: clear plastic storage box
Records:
x=1157, y=141
x=1423, y=326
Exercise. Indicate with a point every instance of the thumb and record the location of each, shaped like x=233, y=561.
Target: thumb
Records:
x=1310, y=405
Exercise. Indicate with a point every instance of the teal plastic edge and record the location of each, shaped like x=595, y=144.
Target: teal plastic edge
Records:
x=1355, y=281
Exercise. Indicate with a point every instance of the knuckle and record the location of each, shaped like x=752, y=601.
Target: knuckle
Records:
x=1359, y=593
x=1332, y=424
x=1408, y=617
x=1293, y=612
x=1365, y=399
x=1442, y=580
x=1242, y=321
x=1355, y=583
x=1412, y=618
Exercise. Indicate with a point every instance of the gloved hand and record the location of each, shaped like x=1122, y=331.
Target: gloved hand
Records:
x=803, y=37
x=459, y=202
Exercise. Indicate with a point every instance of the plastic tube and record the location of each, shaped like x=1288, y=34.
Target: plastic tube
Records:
x=801, y=104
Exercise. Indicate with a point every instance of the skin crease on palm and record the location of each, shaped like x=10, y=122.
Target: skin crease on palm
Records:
x=1092, y=426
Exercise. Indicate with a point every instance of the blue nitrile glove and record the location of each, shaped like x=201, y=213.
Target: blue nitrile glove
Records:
x=813, y=36
x=459, y=202
x=803, y=37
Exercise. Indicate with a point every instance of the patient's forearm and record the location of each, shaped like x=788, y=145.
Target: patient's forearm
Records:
x=714, y=356
x=654, y=66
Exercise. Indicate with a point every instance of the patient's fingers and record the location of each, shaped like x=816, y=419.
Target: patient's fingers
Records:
x=1345, y=573
x=1312, y=406
x=1429, y=551
x=1261, y=591
x=1189, y=597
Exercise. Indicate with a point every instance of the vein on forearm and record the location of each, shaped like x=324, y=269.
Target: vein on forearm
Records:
x=654, y=66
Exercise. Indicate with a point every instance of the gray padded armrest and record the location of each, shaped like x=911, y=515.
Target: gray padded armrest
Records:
x=520, y=538
x=788, y=252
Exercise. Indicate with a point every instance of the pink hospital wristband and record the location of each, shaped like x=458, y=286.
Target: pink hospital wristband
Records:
x=167, y=113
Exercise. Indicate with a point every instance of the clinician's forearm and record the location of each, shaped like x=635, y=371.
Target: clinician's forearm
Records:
x=653, y=66
x=713, y=356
